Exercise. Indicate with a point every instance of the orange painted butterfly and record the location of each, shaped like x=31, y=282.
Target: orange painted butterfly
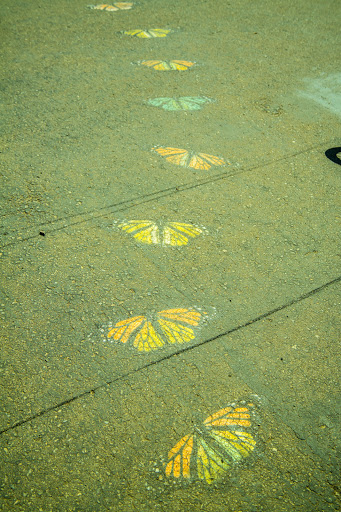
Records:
x=184, y=158
x=168, y=326
x=212, y=449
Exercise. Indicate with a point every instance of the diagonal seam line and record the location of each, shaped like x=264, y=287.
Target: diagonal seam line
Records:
x=181, y=351
x=146, y=198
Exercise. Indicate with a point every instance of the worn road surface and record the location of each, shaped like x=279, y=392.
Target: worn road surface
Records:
x=170, y=251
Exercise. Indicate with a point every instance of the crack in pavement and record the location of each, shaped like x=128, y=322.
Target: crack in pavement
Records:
x=180, y=351
x=146, y=198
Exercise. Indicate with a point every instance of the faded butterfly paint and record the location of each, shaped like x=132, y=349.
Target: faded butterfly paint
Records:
x=181, y=103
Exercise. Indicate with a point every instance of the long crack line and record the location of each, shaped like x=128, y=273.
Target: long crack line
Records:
x=181, y=351
x=146, y=198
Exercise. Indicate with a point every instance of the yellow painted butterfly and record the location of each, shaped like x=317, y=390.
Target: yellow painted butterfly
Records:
x=117, y=6
x=188, y=158
x=213, y=448
x=167, y=65
x=146, y=34
x=167, y=326
x=170, y=234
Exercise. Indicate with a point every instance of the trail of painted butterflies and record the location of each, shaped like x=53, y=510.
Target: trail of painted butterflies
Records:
x=224, y=439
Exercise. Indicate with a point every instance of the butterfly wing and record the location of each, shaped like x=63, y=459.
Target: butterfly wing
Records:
x=165, y=103
x=204, y=161
x=179, y=458
x=196, y=458
x=172, y=323
x=137, y=33
x=148, y=339
x=176, y=156
x=193, y=457
x=217, y=454
x=231, y=416
x=102, y=7
x=180, y=65
x=123, y=5
x=144, y=231
x=176, y=333
x=237, y=444
x=229, y=428
x=122, y=330
x=158, y=32
x=193, y=102
x=210, y=465
x=114, y=7
x=178, y=233
x=167, y=65
x=147, y=34
x=184, y=315
x=159, y=65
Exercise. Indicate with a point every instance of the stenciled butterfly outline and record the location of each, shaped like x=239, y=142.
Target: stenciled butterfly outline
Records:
x=167, y=65
x=148, y=34
x=169, y=326
x=166, y=234
x=117, y=6
x=213, y=448
x=188, y=103
x=189, y=159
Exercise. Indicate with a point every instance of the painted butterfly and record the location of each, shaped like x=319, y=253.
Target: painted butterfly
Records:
x=147, y=34
x=181, y=103
x=117, y=6
x=185, y=158
x=167, y=65
x=170, y=234
x=167, y=326
x=223, y=440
